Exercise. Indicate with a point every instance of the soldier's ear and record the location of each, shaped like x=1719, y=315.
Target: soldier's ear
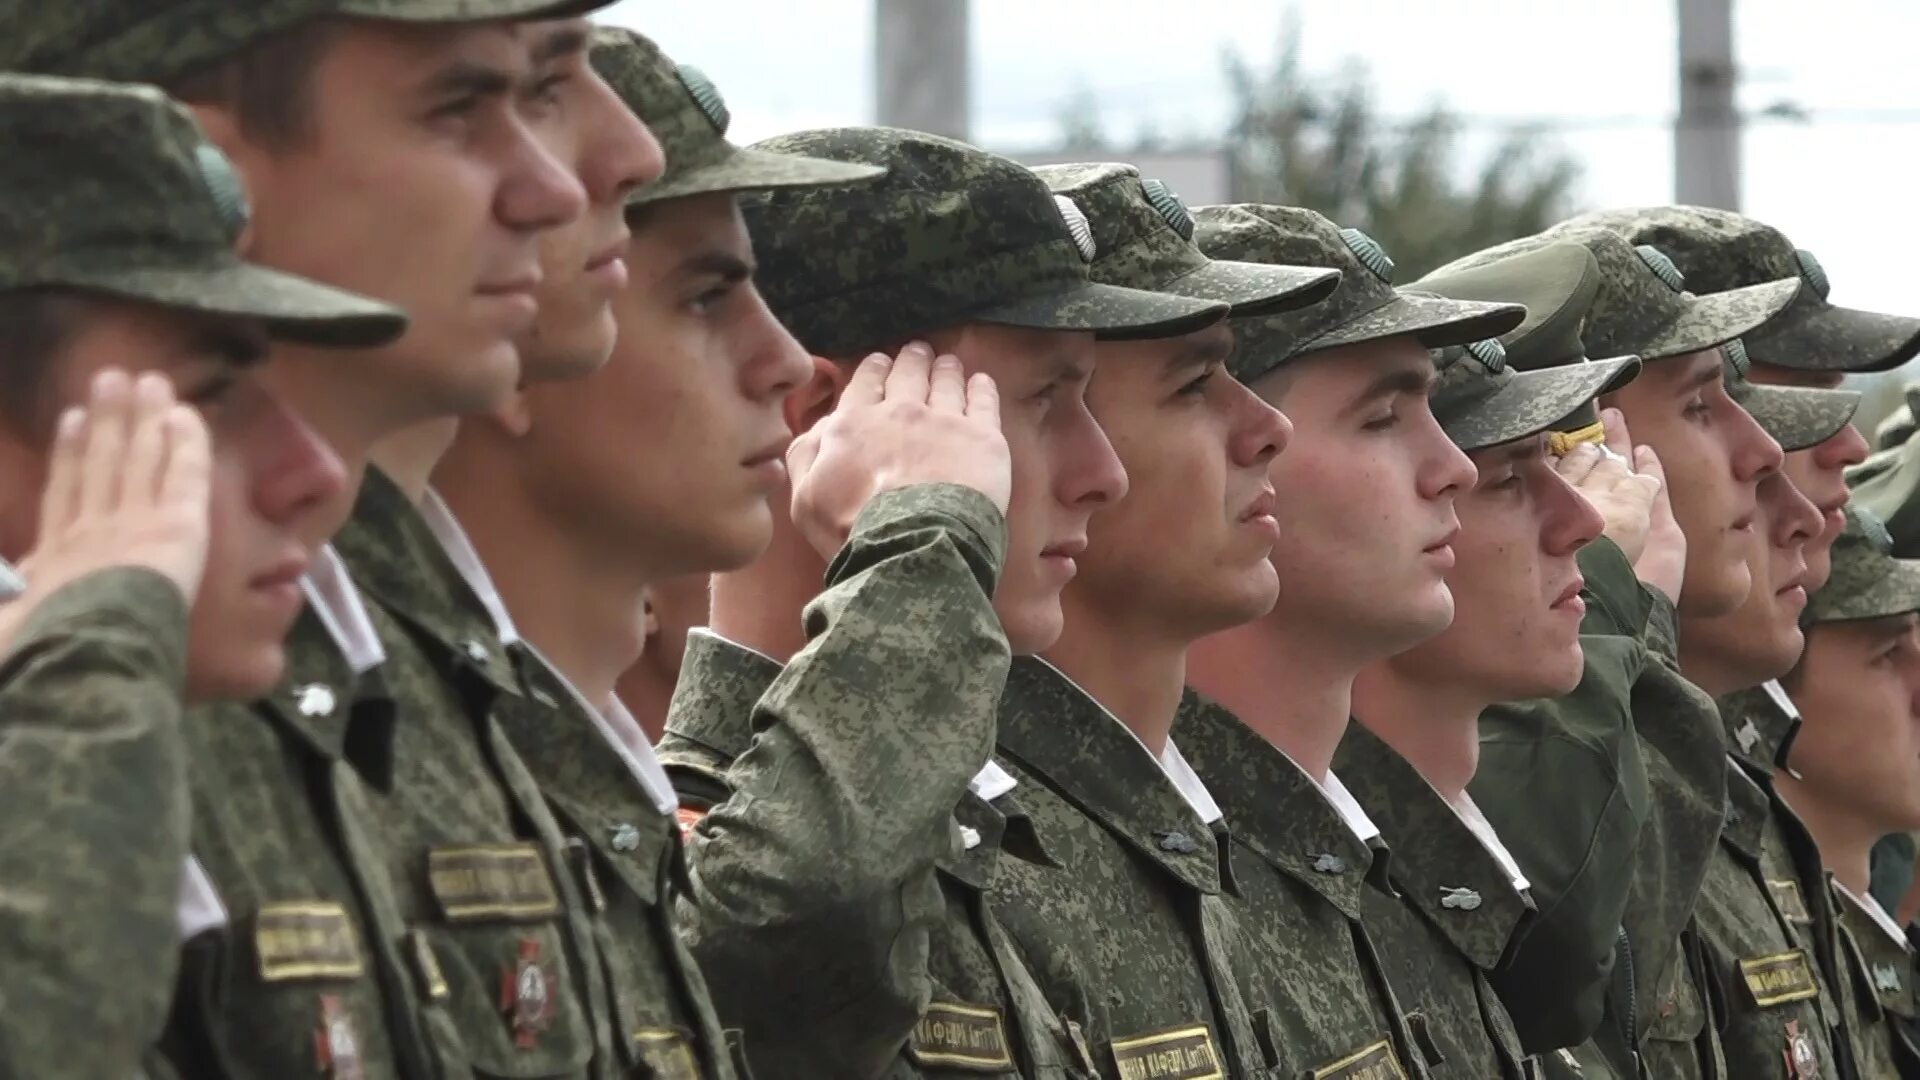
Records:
x=813, y=399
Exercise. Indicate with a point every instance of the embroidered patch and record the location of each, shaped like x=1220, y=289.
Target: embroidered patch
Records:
x=1179, y=1054
x=1376, y=1062
x=526, y=995
x=961, y=1036
x=311, y=940
x=491, y=881
x=336, y=1047
x=667, y=1052
x=1780, y=978
x=1800, y=1057
x=1792, y=903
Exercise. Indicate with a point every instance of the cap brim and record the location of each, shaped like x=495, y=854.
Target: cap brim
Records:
x=1895, y=592
x=467, y=11
x=1257, y=288
x=1712, y=320
x=1535, y=401
x=1109, y=311
x=755, y=170
x=1831, y=338
x=291, y=308
x=1435, y=321
x=1799, y=416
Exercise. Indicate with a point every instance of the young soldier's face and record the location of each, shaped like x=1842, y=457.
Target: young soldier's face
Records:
x=1761, y=639
x=1714, y=455
x=1366, y=491
x=582, y=263
x=1064, y=469
x=1185, y=554
x=270, y=474
x=1818, y=473
x=668, y=455
x=1858, y=689
x=1515, y=584
x=423, y=182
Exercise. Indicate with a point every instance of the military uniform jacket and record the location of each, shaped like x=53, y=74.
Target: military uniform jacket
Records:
x=986, y=1015
x=1883, y=1007
x=823, y=883
x=1136, y=926
x=1766, y=917
x=1446, y=918
x=94, y=779
x=399, y=893
x=1579, y=755
x=1314, y=979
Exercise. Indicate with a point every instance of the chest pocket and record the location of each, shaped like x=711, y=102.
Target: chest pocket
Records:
x=502, y=996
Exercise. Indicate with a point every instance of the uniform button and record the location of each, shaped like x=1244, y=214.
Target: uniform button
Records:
x=315, y=700
x=476, y=650
x=625, y=837
x=1329, y=863
x=1179, y=841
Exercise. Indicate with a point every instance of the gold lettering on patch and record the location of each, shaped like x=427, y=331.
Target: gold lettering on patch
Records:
x=1179, y=1054
x=962, y=1036
x=1780, y=978
x=498, y=881
x=667, y=1053
x=1375, y=1062
x=306, y=940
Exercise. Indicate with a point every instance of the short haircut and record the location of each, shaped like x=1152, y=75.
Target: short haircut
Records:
x=269, y=86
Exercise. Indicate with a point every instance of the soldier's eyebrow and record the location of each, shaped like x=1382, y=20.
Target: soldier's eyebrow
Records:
x=1407, y=381
x=563, y=41
x=724, y=265
x=1201, y=353
x=468, y=78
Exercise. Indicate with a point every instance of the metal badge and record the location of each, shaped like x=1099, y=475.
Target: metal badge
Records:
x=1370, y=253
x=1171, y=209
x=1815, y=274
x=1491, y=354
x=526, y=995
x=1662, y=267
x=706, y=96
x=1078, y=228
x=336, y=1048
x=1459, y=899
x=224, y=185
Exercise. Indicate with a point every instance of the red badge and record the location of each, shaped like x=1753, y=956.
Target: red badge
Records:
x=1800, y=1057
x=335, y=1048
x=526, y=995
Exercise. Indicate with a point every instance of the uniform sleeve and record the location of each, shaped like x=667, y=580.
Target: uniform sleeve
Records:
x=1578, y=756
x=812, y=884
x=93, y=825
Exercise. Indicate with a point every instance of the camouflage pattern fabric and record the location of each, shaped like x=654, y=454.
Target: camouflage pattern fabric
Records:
x=1879, y=972
x=1143, y=234
x=950, y=235
x=1798, y=417
x=1481, y=401
x=158, y=41
x=1866, y=582
x=985, y=1014
x=1719, y=250
x=1315, y=976
x=95, y=777
x=1642, y=306
x=688, y=116
x=1449, y=918
x=122, y=195
x=1136, y=922
x=832, y=849
x=1365, y=307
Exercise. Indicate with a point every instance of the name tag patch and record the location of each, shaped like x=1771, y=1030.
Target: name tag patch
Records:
x=1780, y=978
x=495, y=881
x=306, y=941
x=1376, y=1062
x=961, y=1036
x=666, y=1051
x=1792, y=903
x=1180, y=1054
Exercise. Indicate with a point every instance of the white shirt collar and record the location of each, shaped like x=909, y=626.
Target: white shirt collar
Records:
x=199, y=908
x=1348, y=806
x=992, y=782
x=627, y=738
x=1478, y=824
x=1779, y=695
x=446, y=529
x=331, y=594
x=1879, y=914
x=1173, y=764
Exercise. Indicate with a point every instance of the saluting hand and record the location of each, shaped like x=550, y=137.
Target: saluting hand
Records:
x=902, y=421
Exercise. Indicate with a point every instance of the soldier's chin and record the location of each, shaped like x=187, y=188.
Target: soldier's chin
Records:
x=1032, y=625
x=235, y=673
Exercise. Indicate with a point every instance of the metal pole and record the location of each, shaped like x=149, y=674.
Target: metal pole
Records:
x=1706, y=135
x=920, y=52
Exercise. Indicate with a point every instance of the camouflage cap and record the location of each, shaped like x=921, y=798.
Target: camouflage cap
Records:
x=1720, y=250
x=1888, y=485
x=1797, y=417
x=1365, y=307
x=159, y=41
x=1481, y=400
x=1144, y=235
x=1642, y=305
x=1898, y=426
x=689, y=117
x=950, y=235
x=1867, y=581
x=121, y=194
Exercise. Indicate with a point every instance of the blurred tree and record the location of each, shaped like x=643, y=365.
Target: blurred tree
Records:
x=1322, y=143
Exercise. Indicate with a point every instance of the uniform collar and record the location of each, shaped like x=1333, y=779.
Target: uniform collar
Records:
x=1761, y=724
x=617, y=727
x=335, y=600
x=199, y=908
x=1748, y=805
x=466, y=561
x=1441, y=866
x=1880, y=957
x=1051, y=728
x=337, y=711
x=1275, y=809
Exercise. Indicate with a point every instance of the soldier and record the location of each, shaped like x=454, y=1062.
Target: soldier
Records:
x=1714, y=456
x=1853, y=772
x=824, y=833
x=120, y=291
x=346, y=119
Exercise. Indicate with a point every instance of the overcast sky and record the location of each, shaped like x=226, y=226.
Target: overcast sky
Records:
x=1841, y=185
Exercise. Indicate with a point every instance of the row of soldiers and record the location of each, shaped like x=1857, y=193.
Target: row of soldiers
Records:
x=1144, y=643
